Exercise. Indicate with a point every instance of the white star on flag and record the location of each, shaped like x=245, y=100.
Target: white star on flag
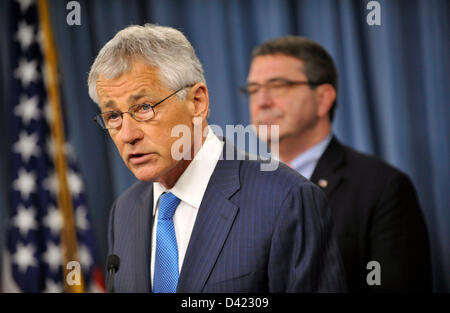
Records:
x=51, y=183
x=53, y=256
x=81, y=218
x=69, y=151
x=75, y=183
x=52, y=286
x=53, y=220
x=84, y=256
x=28, y=109
x=25, y=35
x=25, y=183
x=25, y=220
x=27, y=146
x=24, y=256
x=25, y=4
x=27, y=72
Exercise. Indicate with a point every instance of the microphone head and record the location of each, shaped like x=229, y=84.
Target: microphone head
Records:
x=113, y=262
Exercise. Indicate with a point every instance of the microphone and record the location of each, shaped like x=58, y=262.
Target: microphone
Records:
x=112, y=266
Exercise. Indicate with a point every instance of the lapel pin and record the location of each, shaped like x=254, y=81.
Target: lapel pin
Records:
x=323, y=183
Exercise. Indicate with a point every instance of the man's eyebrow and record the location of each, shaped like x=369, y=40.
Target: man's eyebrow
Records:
x=139, y=95
x=269, y=80
x=109, y=105
x=136, y=97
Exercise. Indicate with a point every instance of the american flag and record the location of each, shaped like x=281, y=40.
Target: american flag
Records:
x=38, y=240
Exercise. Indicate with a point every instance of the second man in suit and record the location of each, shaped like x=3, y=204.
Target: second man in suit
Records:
x=292, y=82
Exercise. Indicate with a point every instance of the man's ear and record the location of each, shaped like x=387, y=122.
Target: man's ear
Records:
x=198, y=95
x=326, y=95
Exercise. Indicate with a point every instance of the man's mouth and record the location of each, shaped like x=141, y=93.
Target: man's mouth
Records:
x=139, y=158
x=269, y=118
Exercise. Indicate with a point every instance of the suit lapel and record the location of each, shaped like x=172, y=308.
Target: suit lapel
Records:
x=214, y=220
x=326, y=174
x=142, y=234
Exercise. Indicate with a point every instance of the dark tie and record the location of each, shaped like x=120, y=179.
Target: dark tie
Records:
x=166, y=256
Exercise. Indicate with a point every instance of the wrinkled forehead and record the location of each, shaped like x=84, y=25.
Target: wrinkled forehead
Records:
x=140, y=80
x=130, y=65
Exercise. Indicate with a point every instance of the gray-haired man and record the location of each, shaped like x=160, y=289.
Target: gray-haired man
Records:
x=199, y=223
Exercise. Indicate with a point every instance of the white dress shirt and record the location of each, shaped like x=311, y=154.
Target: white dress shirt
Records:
x=189, y=188
x=306, y=162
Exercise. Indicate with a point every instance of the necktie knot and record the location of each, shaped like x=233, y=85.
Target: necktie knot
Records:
x=168, y=203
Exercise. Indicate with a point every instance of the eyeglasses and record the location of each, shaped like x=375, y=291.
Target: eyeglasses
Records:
x=275, y=87
x=139, y=112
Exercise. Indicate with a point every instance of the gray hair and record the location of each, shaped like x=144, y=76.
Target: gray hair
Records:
x=162, y=47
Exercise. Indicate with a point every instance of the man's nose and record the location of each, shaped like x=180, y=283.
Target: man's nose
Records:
x=130, y=131
x=262, y=98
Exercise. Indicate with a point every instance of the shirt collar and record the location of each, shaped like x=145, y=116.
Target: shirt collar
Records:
x=191, y=185
x=308, y=159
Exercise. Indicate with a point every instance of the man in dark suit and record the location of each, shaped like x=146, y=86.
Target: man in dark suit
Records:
x=292, y=83
x=203, y=218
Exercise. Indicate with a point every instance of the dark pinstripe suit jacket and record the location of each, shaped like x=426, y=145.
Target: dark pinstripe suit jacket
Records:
x=256, y=231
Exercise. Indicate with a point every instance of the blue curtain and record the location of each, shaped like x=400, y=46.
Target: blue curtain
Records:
x=392, y=102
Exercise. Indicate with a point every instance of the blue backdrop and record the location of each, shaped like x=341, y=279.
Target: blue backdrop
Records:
x=393, y=96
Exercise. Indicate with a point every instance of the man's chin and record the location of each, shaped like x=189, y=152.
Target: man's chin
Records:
x=267, y=137
x=153, y=174
x=146, y=177
x=145, y=174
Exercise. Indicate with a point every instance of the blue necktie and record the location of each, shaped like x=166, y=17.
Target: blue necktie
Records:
x=165, y=277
